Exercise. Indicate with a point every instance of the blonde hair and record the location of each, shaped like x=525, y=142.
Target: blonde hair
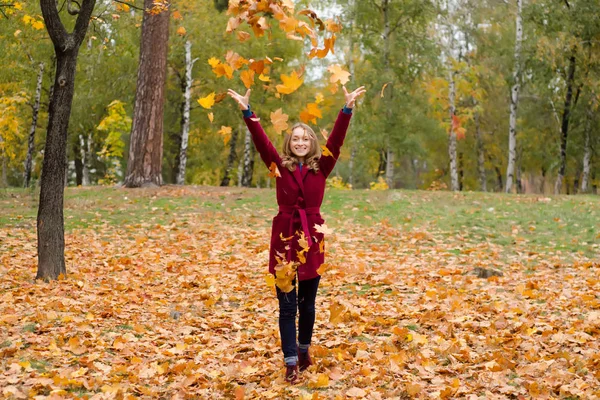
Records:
x=311, y=160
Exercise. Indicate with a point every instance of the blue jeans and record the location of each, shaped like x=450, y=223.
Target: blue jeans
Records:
x=304, y=303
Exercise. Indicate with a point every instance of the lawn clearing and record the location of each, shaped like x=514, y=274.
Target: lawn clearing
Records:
x=166, y=294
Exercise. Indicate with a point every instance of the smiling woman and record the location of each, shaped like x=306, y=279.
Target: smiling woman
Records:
x=297, y=240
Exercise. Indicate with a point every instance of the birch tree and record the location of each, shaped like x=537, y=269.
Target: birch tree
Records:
x=185, y=118
x=514, y=101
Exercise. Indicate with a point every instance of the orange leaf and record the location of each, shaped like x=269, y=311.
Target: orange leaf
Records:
x=223, y=70
x=279, y=121
x=181, y=31
x=243, y=36
x=247, y=77
x=177, y=15
x=211, y=117
x=274, y=171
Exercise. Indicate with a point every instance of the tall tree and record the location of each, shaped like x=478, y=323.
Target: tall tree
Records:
x=50, y=221
x=34, y=119
x=185, y=117
x=146, y=143
x=514, y=100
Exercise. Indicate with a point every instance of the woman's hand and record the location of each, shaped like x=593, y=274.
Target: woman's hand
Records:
x=243, y=101
x=352, y=96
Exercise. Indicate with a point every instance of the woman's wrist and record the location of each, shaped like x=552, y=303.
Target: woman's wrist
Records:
x=247, y=112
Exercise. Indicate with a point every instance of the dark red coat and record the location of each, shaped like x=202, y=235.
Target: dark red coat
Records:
x=299, y=196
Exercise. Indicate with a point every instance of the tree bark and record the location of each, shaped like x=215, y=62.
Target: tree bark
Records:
x=480, y=155
x=514, y=102
x=50, y=222
x=248, y=161
x=144, y=167
x=454, y=183
x=185, y=121
x=390, y=156
x=232, y=156
x=351, y=166
x=564, y=129
x=587, y=155
x=34, y=118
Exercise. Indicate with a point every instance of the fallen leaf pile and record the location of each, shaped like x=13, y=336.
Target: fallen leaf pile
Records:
x=183, y=310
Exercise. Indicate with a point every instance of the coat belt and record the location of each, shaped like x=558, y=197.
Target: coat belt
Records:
x=302, y=213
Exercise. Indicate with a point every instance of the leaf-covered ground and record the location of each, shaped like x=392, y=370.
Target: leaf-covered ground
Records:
x=166, y=297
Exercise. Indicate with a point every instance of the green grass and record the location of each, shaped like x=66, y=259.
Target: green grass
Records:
x=559, y=225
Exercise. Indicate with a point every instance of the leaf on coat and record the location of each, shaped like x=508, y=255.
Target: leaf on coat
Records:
x=208, y=101
x=285, y=275
x=270, y=279
x=322, y=246
x=279, y=121
x=323, y=229
x=274, y=171
x=326, y=152
x=284, y=239
x=338, y=74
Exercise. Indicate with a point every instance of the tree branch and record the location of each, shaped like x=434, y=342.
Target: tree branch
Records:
x=72, y=10
x=398, y=23
x=54, y=25
x=83, y=20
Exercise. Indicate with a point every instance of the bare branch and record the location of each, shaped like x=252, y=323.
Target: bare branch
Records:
x=71, y=9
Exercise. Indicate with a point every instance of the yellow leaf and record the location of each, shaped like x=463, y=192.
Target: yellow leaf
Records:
x=208, y=101
x=39, y=25
x=336, y=312
x=326, y=152
x=338, y=74
x=319, y=98
x=211, y=117
x=213, y=62
x=223, y=70
x=181, y=31
x=17, y=32
x=264, y=78
x=27, y=19
x=291, y=83
x=383, y=88
x=279, y=120
x=321, y=382
x=270, y=279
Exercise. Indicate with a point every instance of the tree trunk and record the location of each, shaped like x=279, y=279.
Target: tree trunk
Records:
x=454, y=184
x=514, y=102
x=390, y=156
x=232, y=156
x=185, y=121
x=248, y=161
x=564, y=129
x=34, y=118
x=50, y=222
x=480, y=155
x=78, y=158
x=351, y=166
x=587, y=156
x=85, y=149
x=146, y=145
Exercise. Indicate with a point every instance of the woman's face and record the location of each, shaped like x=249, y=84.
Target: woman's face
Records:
x=300, y=143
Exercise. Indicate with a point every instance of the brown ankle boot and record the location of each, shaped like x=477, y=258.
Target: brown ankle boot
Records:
x=304, y=360
x=291, y=374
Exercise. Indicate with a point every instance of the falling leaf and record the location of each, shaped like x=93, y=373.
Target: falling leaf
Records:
x=181, y=31
x=383, y=88
x=264, y=78
x=208, y=101
x=177, y=15
x=279, y=121
x=311, y=113
x=291, y=83
x=274, y=171
x=211, y=117
x=326, y=152
x=319, y=98
x=247, y=77
x=243, y=36
x=223, y=70
x=338, y=74
x=324, y=133
x=213, y=62
x=323, y=229
x=225, y=131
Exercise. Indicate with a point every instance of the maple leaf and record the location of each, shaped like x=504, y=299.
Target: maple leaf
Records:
x=319, y=98
x=338, y=74
x=243, y=36
x=291, y=83
x=181, y=31
x=225, y=131
x=223, y=70
x=177, y=15
x=311, y=113
x=274, y=171
x=213, y=62
x=279, y=120
x=208, y=101
x=323, y=229
x=333, y=26
x=326, y=152
x=264, y=78
x=285, y=274
x=247, y=77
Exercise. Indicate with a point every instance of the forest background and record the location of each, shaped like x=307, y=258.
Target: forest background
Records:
x=437, y=113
